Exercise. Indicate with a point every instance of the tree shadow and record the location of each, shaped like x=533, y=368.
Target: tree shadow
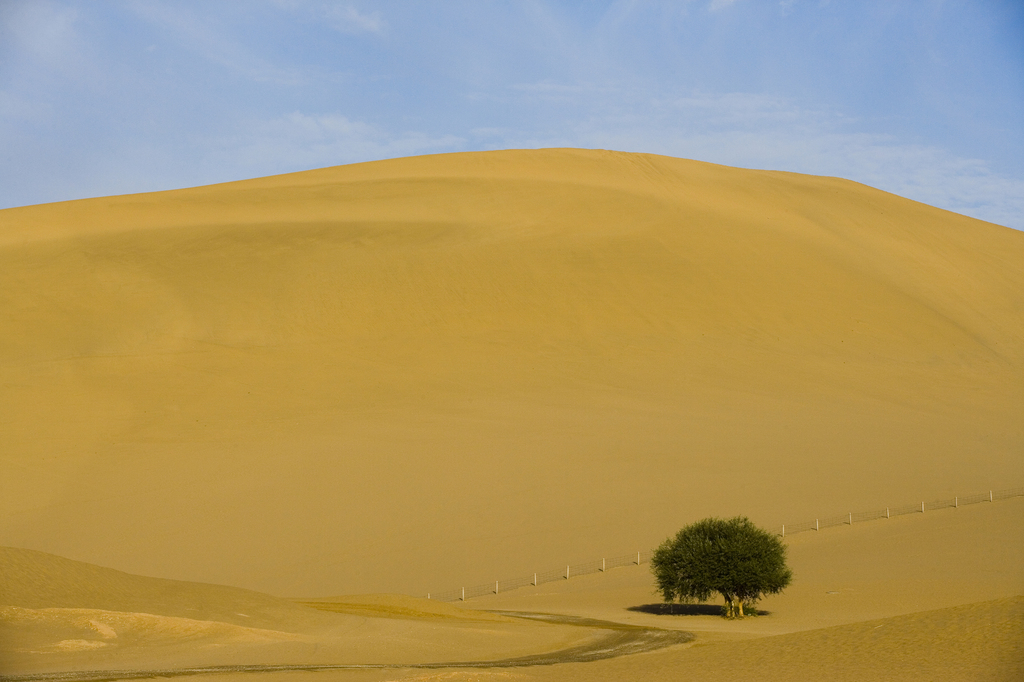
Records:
x=690, y=610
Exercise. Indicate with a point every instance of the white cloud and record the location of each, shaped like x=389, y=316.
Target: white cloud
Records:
x=343, y=17
x=348, y=19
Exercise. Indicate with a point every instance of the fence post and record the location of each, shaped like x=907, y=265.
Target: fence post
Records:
x=638, y=558
x=428, y=595
x=566, y=572
x=463, y=594
x=602, y=565
x=886, y=512
x=956, y=502
x=783, y=530
x=989, y=495
x=815, y=524
x=851, y=518
x=922, y=507
x=495, y=587
x=535, y=580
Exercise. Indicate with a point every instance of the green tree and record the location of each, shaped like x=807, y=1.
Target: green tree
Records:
x=732, y=557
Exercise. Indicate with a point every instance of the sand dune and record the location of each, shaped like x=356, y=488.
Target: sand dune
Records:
x=409, y=375
x=427, y=371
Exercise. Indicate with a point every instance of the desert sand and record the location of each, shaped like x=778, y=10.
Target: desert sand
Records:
x=409, y=375
x=930, y=597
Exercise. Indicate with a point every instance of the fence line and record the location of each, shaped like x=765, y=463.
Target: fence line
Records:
x=601, y=565
x=850, y=518
x=550, y=576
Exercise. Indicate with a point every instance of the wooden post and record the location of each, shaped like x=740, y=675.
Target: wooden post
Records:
x=495, y=587
x=463, y=594
x=602, y=565
x=783, y=530
x=989, y=495
x=886, y=512
x=535, y=580
x=922, y=507
x=956, y=502
x=566, y=572
x=638, y=558
x=851, y=518
x=815, y=524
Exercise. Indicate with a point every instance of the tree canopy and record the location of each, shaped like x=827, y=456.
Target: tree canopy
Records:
x=732, y=557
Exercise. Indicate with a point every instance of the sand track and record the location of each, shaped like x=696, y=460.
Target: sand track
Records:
x=622, y=640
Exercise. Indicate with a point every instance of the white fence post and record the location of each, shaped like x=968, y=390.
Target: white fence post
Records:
x=566, y=572
x=989, y=495
x=535, y=580
x=783, y=530
x=956, y=502
x=851, y=518
x=463, y=594
x=495, y=587
x=638, y=558
x=922, y=507
x=886, y=512
x=602, y=565
x=815, y=524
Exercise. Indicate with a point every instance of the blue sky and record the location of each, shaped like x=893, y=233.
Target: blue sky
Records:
x=924, y=99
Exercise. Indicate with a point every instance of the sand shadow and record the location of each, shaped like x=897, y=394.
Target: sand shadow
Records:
x=688, y=610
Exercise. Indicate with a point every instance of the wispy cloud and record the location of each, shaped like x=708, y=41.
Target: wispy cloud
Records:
x=219, y=47
x=348, y=19
x=342, y=17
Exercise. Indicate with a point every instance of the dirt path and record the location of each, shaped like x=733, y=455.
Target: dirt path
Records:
x=621, y=640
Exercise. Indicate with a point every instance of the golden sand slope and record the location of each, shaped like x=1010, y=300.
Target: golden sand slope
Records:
x=57, y=614
x=414, y=374
x=918, y=597
x=973, y=642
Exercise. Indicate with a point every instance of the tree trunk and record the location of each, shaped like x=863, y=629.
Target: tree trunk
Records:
x=733, y=607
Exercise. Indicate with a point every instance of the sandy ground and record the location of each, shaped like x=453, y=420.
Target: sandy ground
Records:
x=935, y=596
x=410, y=375
x=140, y=626
x=846, y=574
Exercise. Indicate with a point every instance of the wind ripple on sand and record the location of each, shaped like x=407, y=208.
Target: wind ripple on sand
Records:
x=622, y=640
x=107, y=625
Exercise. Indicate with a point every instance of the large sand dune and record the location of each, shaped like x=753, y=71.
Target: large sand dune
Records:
x=414, y=374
